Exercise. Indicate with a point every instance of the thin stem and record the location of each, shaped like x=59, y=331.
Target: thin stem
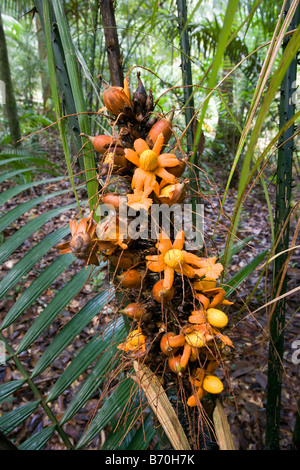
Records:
x=36, y=392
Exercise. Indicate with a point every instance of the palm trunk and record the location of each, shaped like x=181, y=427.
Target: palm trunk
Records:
x=9, y=105
x=186, y=71
x=45, y=82
x=67, y=97
x=93, y=52
x=283, y=200
x=112, y=42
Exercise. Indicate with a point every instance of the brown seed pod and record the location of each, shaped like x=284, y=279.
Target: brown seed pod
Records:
x=174, y=364
x=177, y=341
x=124, y=259
x=161, y=294
x=101, y=143
x=212, y=366
x=165, y=345
x=172, y=194
x=151, y=121
x=104, y=143
x=80, y=245
x=116, y=159
x=111, y=199
x=134, y=310
x=199, y=374
x=194, y=354
x=115, y=99
x=177, y=170
x=130, y=279
x=149, y=106
x=163, y=126
x=139, y=99
x=115, y=162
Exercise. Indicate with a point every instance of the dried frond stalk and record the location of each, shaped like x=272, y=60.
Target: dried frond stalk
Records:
x=222, y=429
x=161, y=406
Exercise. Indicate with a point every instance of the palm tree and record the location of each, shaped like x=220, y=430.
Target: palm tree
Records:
x=9, y=105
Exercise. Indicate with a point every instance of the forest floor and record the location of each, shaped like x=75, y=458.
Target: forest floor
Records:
x=244, y=397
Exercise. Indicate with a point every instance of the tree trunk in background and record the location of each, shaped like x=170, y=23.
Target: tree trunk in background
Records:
x=112, y=42
x=46, y=87
x=186, y=71
x=282, y=213
x=93, y=51
x=10, y=106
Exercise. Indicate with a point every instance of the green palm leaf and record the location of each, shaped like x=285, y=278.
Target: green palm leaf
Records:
x=71, y=330
x=38, y=440
x=115, y=403
x=29, y=260
x=143, y=436
x=236, y=280
x=127, y=437
x=102, y=344
x=9, y=388
x=37, y=287
x=20, y=209
x=11, y=174
x=14, y=418
x=61, y=299
x=10, y=193
x=25, y=232
x=107, y=362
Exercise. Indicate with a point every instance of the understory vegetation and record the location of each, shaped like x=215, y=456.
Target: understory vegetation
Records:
x=149, y=225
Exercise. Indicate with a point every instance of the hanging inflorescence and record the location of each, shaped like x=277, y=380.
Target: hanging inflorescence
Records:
x=171, y=293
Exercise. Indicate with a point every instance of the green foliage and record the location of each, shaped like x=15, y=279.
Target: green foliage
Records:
x=149, y=37
x=99, y=354
x=96, y=360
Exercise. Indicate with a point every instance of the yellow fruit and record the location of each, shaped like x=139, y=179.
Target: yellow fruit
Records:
x=135, y=338
x=216, y=318
x=174, y=258
x=212, y=384
x=148, y=160
x=195, y=339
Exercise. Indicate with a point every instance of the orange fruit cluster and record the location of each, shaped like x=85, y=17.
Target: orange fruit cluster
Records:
x=159, y=268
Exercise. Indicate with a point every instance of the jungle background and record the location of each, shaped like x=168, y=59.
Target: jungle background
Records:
x=225, y=67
